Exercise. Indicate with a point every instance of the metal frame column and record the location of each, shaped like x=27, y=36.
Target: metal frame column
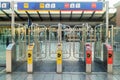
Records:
x=107, y=20
x=12, y=21
x=59, y=50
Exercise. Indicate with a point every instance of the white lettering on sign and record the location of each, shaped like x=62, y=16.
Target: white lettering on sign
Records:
x=77, y=5
x=4, y=5
x=47, y=5
x=72, y=5
x=53, y=5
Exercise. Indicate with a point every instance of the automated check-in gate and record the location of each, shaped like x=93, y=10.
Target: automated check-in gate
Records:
x=5, y=39
x=101, y=50
x=20, y=39
x=59, y=48
x=116, y=45
x=42, y=49
x=45, y=39
x=17, y=50
x=40, y=40
x=98, y=65
x=40, y=54
x=73, y=48
x=55, y=47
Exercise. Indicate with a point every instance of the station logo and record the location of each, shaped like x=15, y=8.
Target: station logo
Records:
x=93, y=5
x=42, y=5
x=66, y=5
x=26, y=5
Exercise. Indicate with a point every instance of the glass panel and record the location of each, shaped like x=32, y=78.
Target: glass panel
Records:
x=5, y=40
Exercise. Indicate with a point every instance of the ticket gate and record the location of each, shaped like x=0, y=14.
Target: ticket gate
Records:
x=39, y=58
x=53, y=41
x=88, y=53
x=42, y=63
x=108, y=50
x=75, y=40
x=44, y=41
x=40, y=40
x=21, y=48
x=100, y=54
x=57, y=55
x=58, y=48
x=20, y=40
x=5, y=40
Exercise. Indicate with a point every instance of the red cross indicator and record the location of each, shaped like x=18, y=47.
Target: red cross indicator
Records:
x=93, y=5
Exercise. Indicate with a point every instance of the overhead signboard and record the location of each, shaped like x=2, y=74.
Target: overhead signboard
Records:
x=70, y=6
x=4, y=5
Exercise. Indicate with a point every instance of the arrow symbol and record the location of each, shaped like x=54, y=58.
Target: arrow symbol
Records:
x=88, y=55
x=59, y=55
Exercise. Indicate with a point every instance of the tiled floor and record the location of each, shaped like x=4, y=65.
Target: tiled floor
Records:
x=54, y=76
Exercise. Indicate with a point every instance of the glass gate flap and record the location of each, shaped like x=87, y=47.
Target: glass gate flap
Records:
x=79, y=33
x=40, y=42
x=20, y=39
x=53, y=40
x=66, y=49
x=5, y=40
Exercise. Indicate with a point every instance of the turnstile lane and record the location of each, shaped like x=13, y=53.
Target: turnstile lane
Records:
x=98, y=67
x=21, y=67
x=44, y=66
x=73, y=66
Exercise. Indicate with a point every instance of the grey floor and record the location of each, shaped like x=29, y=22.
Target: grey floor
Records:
x=67, y=66
x=55, y=76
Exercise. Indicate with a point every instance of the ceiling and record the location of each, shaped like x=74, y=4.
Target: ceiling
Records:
x=84, y=16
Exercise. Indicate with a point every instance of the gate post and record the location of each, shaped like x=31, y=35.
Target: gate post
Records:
x=109, y=58
x=30, y=58
x=88, y=57
x=59, y=58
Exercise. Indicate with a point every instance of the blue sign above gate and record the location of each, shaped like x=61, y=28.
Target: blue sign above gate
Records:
x=60, y=6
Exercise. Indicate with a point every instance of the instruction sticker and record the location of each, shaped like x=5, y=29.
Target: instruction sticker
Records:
x=88, y=57
x=59, y=57
x=29, y=56
x=110, y=57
